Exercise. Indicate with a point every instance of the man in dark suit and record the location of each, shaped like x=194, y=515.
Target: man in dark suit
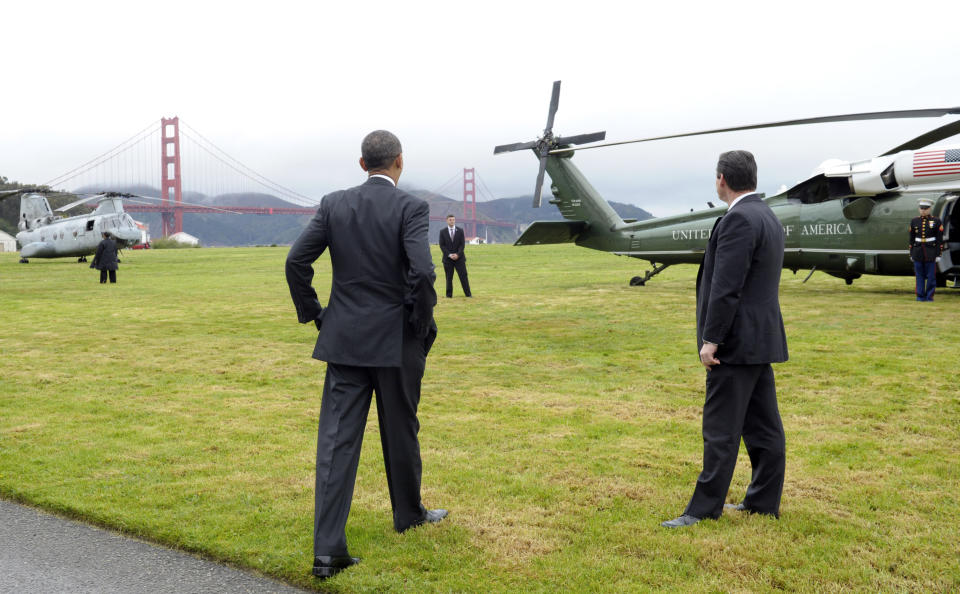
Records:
x=451, y=243
x=374, y=334
x=740, y=333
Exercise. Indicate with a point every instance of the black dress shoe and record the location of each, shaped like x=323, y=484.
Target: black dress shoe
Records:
x=680, y=522
x=430, y=516
x=326, y=566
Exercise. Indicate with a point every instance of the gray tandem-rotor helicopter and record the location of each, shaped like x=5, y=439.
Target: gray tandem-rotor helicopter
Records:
x=847, y=219
x=44, y=234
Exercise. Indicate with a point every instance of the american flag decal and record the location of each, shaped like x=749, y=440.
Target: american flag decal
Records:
x=942, y=162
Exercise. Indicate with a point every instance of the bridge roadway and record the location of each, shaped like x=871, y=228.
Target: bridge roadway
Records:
x=262, y=210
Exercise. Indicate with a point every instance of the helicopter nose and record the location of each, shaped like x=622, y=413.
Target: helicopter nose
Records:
x=130, y=236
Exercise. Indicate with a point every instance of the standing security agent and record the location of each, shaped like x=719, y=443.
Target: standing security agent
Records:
x=374, y=335
x=105, y=260
x=452, y=242
x=926, y=247
x=740, y=333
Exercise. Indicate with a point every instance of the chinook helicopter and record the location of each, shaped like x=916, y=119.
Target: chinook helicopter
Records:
x=847, y=219
x=44, y=234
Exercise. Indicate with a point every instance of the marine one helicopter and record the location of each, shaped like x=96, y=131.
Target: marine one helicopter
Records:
x=44, y=234
x=847, y=219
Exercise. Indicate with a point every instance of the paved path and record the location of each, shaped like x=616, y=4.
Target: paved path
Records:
x=40, y=553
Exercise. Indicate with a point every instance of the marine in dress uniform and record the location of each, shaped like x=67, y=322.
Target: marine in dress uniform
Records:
x=926, y=247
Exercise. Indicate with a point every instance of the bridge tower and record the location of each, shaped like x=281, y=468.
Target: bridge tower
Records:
x=469, y=203
x=172, y=215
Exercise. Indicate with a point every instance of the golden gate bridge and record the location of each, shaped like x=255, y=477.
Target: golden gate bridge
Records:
x=206, y=171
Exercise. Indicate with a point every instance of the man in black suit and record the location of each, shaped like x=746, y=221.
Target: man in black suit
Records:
x=740, y=333
x=451, y=243
x=374, y=334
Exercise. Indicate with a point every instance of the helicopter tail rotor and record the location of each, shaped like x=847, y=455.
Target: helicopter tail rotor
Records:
x=547, y=143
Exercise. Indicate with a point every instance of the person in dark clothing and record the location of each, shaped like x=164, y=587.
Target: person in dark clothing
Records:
x=374, y=334
x=105, y=260
x=926, y=248
x=740, y=333
x=452, y=241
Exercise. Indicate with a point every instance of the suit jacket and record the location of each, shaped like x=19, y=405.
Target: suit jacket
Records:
x=452, y=246
x=383, y=275
x=738, y=284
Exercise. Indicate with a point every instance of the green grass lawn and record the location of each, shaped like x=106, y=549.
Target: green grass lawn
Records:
x=560, y=425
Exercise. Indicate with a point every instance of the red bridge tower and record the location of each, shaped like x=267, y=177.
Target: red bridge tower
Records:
x=172, y=215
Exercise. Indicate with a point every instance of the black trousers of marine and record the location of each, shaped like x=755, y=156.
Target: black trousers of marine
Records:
x=346, y=400
x=741, y=402
x=103, y=276
x=461, y=267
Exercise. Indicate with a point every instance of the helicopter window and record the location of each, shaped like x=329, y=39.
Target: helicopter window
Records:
x=90, y=225
x=74, y=233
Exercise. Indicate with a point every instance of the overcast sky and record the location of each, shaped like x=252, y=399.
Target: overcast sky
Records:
x=290, y=88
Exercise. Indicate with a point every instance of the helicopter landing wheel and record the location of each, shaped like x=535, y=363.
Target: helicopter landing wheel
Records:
x=639, y=281
x=24, y=261
x=81, y=259
x=849, y=281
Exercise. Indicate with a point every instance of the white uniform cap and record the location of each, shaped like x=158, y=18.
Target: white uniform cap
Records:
x=924, y=202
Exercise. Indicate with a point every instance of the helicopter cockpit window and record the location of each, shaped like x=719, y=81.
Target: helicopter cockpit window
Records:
x=90, y=225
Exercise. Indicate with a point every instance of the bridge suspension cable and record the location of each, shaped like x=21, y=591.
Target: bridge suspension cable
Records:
x=124, y=146
x=203, y=143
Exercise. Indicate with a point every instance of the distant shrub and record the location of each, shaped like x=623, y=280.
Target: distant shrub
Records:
x=169, y=244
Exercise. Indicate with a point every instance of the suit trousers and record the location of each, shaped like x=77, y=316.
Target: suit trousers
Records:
x=741, y=402
x=103, y=276
x=461, y=267
x=926, y=273
x=343, y=417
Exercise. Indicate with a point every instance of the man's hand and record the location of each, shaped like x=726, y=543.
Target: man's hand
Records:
x=707, y=352
x=454, y=257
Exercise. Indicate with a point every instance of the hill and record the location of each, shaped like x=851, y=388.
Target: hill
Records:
x=238, y=230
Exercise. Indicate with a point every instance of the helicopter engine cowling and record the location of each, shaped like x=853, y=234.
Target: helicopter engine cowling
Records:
x=925, y=169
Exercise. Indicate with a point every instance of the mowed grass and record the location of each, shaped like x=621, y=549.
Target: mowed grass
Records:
x=560, y=425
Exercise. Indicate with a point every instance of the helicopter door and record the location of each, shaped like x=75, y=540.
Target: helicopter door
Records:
x=951, y=235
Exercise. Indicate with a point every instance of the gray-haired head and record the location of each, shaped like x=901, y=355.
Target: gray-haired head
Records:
x=739, y=169
x=379, y=149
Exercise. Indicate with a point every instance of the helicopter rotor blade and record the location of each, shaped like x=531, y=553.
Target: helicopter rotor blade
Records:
x=554, y=104
x=516, y=146
x=76, y=203
x=582, y=138
x=539, y=186
x=875, y=115
x=927, y=139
